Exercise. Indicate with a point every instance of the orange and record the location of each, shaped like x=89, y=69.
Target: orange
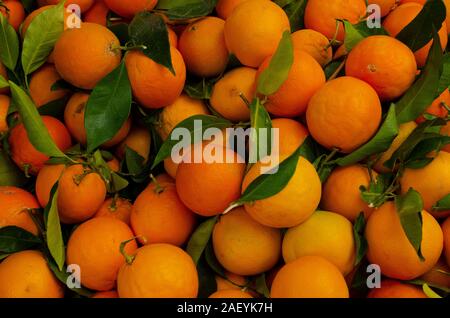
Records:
x=117, y=208
x=159, y=216
x=153, y=85
x=106, y=294
x=292, y=205
x=95, y=247
x=292, y=134
x=209, y=188
x=395, y=289
x=128, y=9
x=74, y=119
x=344, y=114
x=437, y=108
x=315, y=44
x=446, y=231
x=26, y=23
x=324, y=234
x=78, y=50
x=386, y=6
x=389, y=247
x=158, y=271
x=432, y=182
x=4, y=74
x=5, y=101
x=341, y=191
x=384, y=63
x=170, y=167
x=224, y=8
x=401, y=17
x=230, y=293
x=437, y=275
x=98, y=13
x=139, y=140
x=447, y=20
x=15, y=202
x=234, y=238
x=173, y=37
x=305, y=78
x=183, y=108
x=114, y=164
x=26, y=275
x=226, y=95
x=254, y=29
x=232, y=281
x=203, y=47
x=321, y=15
x=81, y=192
x=14, y=12
x=41, y=86
x=309, y=277
x=23, y=152
x=83, y=4
x=46, y=179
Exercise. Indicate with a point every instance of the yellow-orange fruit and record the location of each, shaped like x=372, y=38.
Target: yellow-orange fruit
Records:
x=291, y=133
x=315, y=44
x=116, y=208
x=46, y=179
x=395, y=289
x=139, y=140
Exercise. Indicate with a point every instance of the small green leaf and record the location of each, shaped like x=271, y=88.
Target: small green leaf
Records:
x=376, y=194
x=41, y=36
x=379, y=143
x=3, y=82
x=360, y=240
x=261, y=285
x=443, y=204
x=120, y=30
x=261, y=133
x=15, y=239
x=212, y=261
x=186, y=9
x=134, y=161
x=36, y=130
x=323, y=167
x=201, y=89
x=10, y=174
x=295, y=10
x=200, y=238
x=54, y=236
x=409, y=209
x=114, y=182
x=355, y=33
x=108, y=107
x=54, y=108
x=9, y=44
x=444, y=82
x=271, y=79
x=333, y=67
x=429, y=292
x=150, y=30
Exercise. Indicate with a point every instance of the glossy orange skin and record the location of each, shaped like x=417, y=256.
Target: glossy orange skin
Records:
x=41, y=86
x=98, y=13
x=118, y=209
x=292, y=134
x=395, y=289
x=46, y=179
x=128, y=9
x=15, y=13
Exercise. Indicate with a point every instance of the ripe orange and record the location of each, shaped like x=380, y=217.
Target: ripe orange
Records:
x=14, y=12
x=294, y=204
x=158, y=216
x=4, y=74
x=305, y=78
x=81, y=193
x=139, y=140
x=78, y=50
x=234, y=238
x=26, y=23
x=95, y=247
x=170, y=167
x=114, y=164
x=446, y=231
x=116, y=208
x=153, y=85
x=230, y=293
x=106, y=294
x=386, y=6
x=74, y=119
x=83, y=4
x=292, y=134
x=309, y=277
x=321, y=15
x=158, y=271
x=344, y=114
x=15, y=202
x=437, y=108
x=389, y=247
x=41, y=86
x=226, y=95
x=209, y=188
x=5, y=101
x=384, y=63
x=447, y=20
x=395, y=289
x=341, y=193
x=437, y=275
x=46, y=179
x=250, y=39
x=232, y=281
x=23, y=152
x=401, y=17
x=98, y=13
x=26, y=275
x=315, y=44
x=224, y=8
x=203, y=47
x=128, y=9
x=173, y=37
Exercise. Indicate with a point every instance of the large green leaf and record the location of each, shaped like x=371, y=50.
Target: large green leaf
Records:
x=295, y=10
x=108, y=107
x=3, y=82
x=55, y=242
x=444, y=82
x=9, y=44
x=10, y=175
x=200, y=238
x=15, y=239
x=261, y=133
x=41, y=36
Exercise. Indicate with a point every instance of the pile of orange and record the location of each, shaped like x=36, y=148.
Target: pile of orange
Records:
x=137, y=242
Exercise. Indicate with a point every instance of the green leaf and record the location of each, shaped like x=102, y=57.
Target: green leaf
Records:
x=207, y=279
x=121, y=31
x=379, y=143
x=54, y=236
x=261, y=285
x=10, y=174
x=421, y=282
x=267, y=185
x=15, y=239
x=134, y=161
x=261, y=133
x=28, y=5
x=271, y=79
x=424, y=91
x=196, y=125
x=36, y=130
x=212, y=261
x=200, y=238
x=409, y=209
x=429, y=292
x=186, y=9
x=333, y=67
x=376, y=194
x=114, y=182
x=323, y=167
x=420, y=30
x=150, y=30
x=54, y=108
x=444, y=82
x=443, y=204
x=9, y=44
x=295, y=10
x=355, y=33
x=41, y=36
x=108, y=107
x=3, y=82
x=201, y=89
x=360, y=240
x=308, y=149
